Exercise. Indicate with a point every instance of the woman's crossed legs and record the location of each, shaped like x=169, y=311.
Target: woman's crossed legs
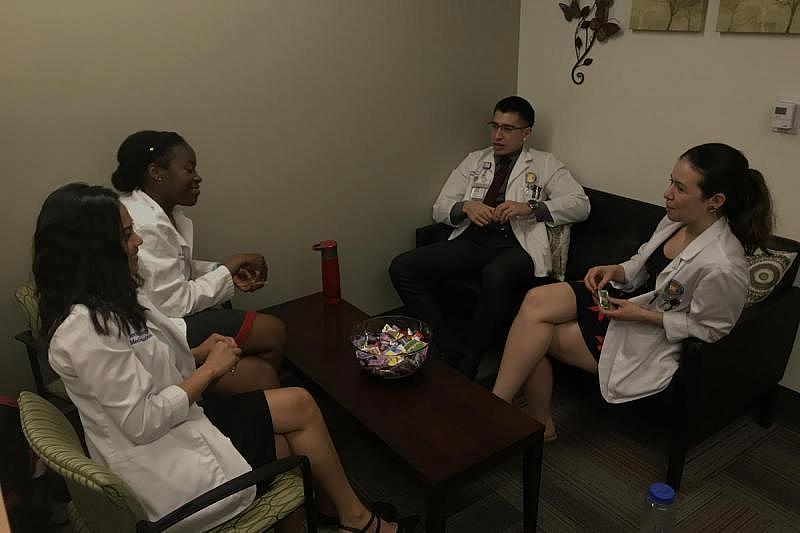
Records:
x=545, y=325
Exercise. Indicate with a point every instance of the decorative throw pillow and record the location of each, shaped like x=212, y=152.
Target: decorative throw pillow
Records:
x=559, y=249
x=766, y=270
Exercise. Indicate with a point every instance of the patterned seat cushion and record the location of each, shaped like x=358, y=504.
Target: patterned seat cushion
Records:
x=284, y=496
x=101, y=501
x=99, y=496
x=28, y=302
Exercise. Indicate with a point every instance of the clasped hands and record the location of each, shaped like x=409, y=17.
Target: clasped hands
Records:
x=249, y=271
x=598, y=277
x=218, y=352
x=481, y=214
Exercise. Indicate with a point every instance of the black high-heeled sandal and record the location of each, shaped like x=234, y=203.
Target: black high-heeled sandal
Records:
x=386, y=510
x=404, y=525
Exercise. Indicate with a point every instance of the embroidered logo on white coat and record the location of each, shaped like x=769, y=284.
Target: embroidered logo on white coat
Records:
x=140, y=337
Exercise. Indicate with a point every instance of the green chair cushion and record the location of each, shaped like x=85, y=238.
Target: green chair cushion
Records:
x=284, y=496
x=100, y=497
x=29, y=303
x=26, y=297
x=78, y=525
x=101, y=501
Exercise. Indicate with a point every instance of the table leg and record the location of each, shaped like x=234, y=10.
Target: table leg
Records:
x=531, y=478
x=434, y=511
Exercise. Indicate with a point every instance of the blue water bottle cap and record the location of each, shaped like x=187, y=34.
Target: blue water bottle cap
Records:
x=661, y=493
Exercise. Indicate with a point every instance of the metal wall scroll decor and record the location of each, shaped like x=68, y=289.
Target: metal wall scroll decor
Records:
x=593, y=24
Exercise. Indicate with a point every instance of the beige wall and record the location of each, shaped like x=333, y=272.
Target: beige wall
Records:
x=650, y=95
x=312, y=120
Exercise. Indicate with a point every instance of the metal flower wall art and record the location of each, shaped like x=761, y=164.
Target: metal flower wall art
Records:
x=592, y=24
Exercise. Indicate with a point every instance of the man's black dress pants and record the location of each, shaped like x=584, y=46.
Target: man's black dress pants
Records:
x=505, y=269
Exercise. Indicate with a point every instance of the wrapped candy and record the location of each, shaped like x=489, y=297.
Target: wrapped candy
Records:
x=389, y=347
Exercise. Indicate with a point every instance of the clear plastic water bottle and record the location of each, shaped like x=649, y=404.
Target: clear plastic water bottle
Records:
x=659, y=512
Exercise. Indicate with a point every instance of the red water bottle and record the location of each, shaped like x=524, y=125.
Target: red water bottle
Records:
x=330, y=271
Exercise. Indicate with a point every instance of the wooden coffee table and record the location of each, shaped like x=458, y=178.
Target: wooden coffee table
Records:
x=443, y=426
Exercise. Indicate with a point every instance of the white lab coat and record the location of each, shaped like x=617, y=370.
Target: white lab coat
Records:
x=708, y=280
x=139, y=422
x=563, y=195
x=175, y=282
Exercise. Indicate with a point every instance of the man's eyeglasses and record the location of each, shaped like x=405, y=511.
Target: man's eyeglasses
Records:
x=507, y=128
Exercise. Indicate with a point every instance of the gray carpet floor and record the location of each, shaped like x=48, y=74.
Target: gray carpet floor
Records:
x=595, y=476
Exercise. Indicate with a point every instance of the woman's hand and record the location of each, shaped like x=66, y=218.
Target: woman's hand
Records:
x=222, y=358
x=249, y=271
x=631, y=311
x=599, y=276
x=248, y=280
x=201, y=351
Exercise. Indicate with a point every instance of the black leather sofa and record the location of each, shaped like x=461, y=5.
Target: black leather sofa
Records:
x=715, y=383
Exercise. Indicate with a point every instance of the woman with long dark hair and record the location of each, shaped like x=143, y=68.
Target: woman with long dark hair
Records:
x=690, y=277
x=131, y=374
x=157, y=175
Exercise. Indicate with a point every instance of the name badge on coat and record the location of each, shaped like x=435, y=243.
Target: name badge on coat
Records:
x=480, y=181
x=534, y=189
x=670, y=296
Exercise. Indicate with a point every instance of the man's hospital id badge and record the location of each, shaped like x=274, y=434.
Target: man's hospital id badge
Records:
x=478, y=192
x=481, y=182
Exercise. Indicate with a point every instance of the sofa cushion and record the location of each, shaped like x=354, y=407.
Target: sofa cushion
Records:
x=766, y=269
x=615, y=229
x=559, y=250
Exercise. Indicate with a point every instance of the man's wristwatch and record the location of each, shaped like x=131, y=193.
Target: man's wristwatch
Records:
x=532, y=205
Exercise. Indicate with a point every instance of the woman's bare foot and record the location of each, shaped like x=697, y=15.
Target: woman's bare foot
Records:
x=550, y=430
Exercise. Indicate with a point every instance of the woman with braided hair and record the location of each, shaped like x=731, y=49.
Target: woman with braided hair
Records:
x=157, y=175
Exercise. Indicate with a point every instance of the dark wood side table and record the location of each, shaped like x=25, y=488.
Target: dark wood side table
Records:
x=443, y=426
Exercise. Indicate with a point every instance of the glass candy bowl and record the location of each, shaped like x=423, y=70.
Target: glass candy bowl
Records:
x=391, y=346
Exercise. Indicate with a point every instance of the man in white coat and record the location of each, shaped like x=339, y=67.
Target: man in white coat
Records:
x=499, y=201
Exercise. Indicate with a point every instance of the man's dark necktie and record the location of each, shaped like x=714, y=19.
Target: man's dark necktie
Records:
x=501, y=172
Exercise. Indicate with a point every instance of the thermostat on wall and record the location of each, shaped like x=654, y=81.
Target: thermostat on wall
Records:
x=783, y=116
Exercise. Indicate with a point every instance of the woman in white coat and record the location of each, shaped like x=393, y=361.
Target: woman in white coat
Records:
x=690, y=278
x=134, y=380
x=157, y=174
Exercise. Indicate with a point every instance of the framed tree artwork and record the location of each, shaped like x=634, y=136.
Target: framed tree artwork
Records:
x=759, y=16
x=668, y=15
